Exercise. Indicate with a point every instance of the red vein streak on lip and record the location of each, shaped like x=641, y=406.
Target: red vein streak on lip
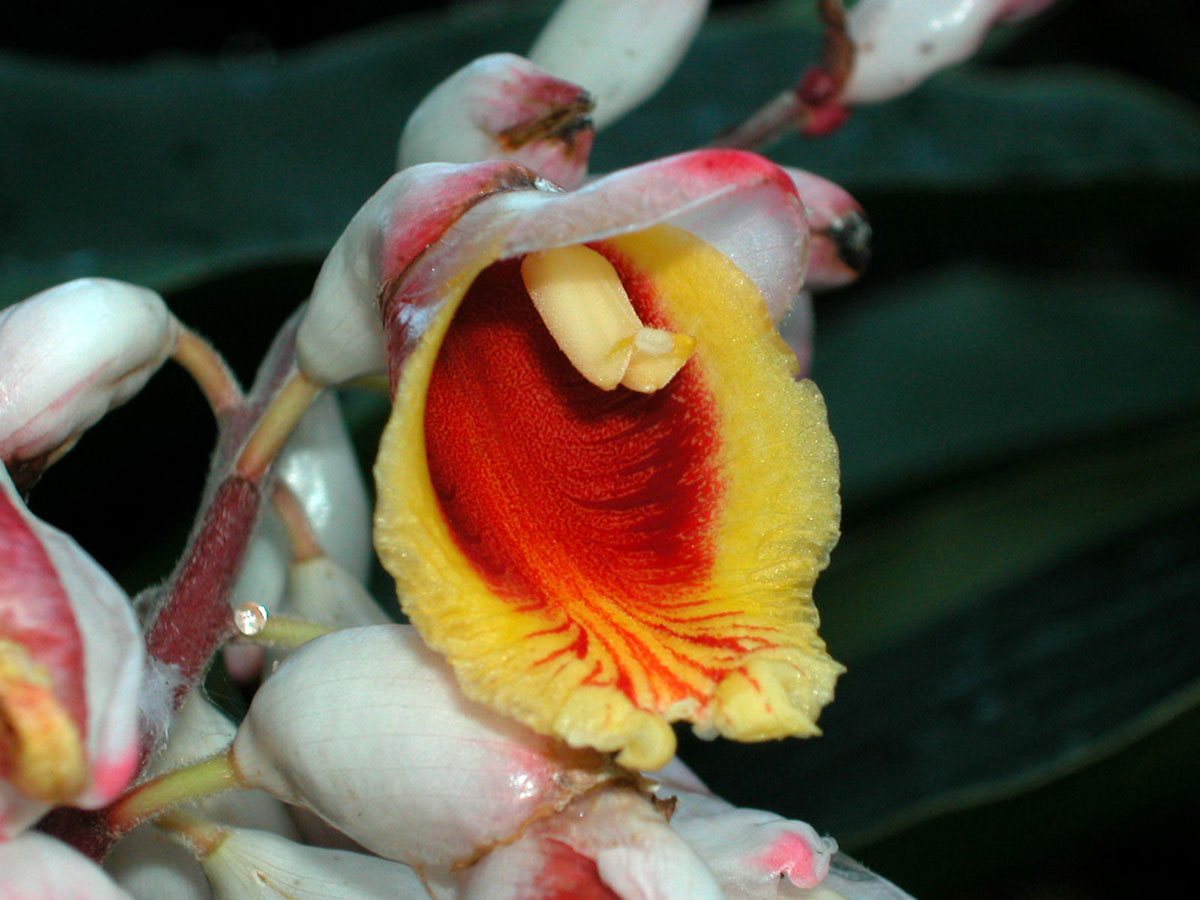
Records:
x=560, y=493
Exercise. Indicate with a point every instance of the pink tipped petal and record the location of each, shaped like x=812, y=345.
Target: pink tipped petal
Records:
x=37, y=867
x=503, y=107
x=372, y=713
x=67, y=356
x=340, y=337
x=739, y=202
x=64, y=620
x=900, y=43
x=620, y=52
x=841, y=234
x=609, y=844
x=748, y=850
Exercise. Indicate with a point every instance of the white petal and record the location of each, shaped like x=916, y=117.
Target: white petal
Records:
x=37, y=867
x=362, y=723
x=319, y=466
x=615, y=839
x=341, y=336
x=322, y=591
x=152, y=866
x=256, y=865
x=621, y=52
x=70, y=354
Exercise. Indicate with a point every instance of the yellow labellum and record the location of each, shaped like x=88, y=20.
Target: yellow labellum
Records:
x=599, y=565
x=41, y=752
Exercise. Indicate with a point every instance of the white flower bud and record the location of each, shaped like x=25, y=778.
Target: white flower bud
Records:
x=363, y=723
x=900, y=43
x=621, y=53
x=67, y=356
x=503, y=106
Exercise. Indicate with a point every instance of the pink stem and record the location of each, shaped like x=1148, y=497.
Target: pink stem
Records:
x=194, y=618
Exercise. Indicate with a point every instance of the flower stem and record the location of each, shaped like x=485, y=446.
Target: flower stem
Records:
x=276, y=426
x=152, y=798
x=200, y=836
x=288, y=632
x=209, y=370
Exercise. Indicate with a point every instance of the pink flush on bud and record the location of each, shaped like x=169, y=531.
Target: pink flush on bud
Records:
x=750, y=851
x=70, y=671
x=900, y=43
x=67, y=356
x=503, y=107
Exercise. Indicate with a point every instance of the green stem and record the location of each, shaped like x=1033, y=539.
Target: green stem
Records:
x=152, y=798
x=288, y=633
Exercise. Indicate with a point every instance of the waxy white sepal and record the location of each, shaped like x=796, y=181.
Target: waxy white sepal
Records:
x=360, y=724
x=621, y=52
x=37, y=867
x=900, y=43
x=503, y=107
x=67, y=356
x=258, y=865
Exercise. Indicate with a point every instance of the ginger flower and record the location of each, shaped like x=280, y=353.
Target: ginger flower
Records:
x=602, y=493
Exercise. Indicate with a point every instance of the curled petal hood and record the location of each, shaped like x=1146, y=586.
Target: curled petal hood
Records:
x=599, y=563
x=71, y=664
x=67, y=356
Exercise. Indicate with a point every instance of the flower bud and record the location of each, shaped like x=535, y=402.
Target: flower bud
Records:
x=503, y=106
x=621, y=53
x=37, y=867
x=67, y=356
x=362, y=723
x=900, y=43
x=71, y=658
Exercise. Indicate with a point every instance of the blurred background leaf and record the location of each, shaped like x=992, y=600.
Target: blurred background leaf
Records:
x=1015, y=384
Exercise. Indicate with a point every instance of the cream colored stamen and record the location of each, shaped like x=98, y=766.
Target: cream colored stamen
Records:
x=585, y=308
x=657, y=356
x=41, y=752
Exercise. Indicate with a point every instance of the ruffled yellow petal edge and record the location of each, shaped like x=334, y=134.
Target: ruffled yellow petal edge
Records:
x=742, y=658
